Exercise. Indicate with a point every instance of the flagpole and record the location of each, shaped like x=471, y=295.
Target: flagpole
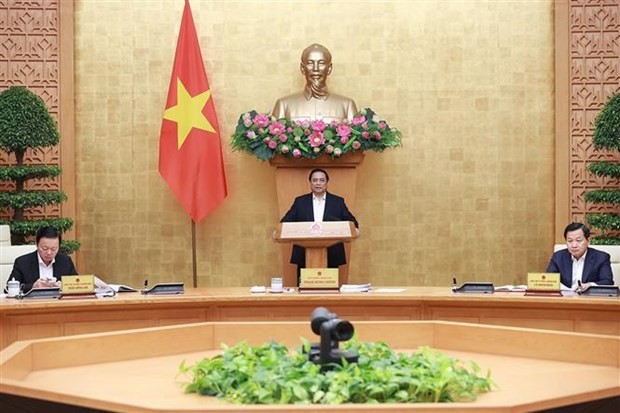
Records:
x=194, y=268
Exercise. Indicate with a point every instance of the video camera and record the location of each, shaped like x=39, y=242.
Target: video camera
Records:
x=332, y=331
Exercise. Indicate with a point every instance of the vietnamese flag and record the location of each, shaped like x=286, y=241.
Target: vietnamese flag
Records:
x=190, y=151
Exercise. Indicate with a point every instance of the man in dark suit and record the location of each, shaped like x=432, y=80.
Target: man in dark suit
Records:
x=317, y=206
x=45, y=266
x=579, y=263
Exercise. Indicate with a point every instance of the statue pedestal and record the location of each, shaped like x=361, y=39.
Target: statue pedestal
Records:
x=292, y=181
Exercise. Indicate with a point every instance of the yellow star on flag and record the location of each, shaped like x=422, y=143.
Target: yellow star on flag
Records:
x=188, y=112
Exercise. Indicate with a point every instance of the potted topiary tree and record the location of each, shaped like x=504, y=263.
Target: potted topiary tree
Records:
x=607, y=136
x=25, y=123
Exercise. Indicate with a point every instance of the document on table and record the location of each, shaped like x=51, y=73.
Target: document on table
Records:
x=389, y=290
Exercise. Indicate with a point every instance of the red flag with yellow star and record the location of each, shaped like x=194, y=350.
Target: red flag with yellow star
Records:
x=190, y=152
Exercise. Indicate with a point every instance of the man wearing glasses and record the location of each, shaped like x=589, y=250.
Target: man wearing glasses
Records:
x=45, y=266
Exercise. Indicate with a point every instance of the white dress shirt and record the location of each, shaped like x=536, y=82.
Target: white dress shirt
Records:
x=46, y=272
x=578, y=269
x=318, y=207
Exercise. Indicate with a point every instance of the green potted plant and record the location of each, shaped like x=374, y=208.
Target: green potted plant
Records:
x=25, y=123
x=606, y=137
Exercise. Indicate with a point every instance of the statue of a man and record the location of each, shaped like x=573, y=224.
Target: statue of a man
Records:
x=315, y=101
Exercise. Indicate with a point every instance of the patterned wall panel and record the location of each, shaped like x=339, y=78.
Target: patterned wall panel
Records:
x=594, y=76
x=29, y=56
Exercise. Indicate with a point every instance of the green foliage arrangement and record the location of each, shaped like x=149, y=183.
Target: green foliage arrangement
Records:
x=271, y=374
x=606, y=137
x=25, y=123
x=264, y=136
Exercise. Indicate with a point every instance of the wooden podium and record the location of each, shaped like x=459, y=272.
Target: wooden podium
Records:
x=315, y=237
x=292, y=181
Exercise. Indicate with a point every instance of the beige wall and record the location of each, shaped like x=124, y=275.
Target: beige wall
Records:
x=469, y=83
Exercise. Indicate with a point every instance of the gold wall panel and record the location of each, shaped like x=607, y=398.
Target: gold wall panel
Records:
x=470, y=84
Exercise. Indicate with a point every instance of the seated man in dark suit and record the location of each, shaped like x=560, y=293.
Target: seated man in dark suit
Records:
x=45, y=266
x=579, y=263
x=317, y=206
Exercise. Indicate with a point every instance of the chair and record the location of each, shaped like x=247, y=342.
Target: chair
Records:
x=8, y=253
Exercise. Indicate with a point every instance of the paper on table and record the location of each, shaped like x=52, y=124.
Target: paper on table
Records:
x=355, y=288
x=513, y=288
x=389, y=290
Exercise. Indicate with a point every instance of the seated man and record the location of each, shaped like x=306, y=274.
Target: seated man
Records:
x=318, y=206
x=579, y=263
x=45, y=266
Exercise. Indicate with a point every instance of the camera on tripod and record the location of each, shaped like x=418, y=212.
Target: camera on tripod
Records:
x=332, y=331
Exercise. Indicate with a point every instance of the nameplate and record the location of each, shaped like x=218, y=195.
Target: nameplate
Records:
x=543, y=281
x=475, y=288
x=78, y=284
x=319, y=278
x=165, y=288
x=41, y=293
x=602, y=291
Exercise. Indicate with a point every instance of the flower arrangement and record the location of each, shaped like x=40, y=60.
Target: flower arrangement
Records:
x=265, y=136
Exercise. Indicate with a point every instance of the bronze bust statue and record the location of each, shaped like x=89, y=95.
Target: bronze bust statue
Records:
x=315, y=101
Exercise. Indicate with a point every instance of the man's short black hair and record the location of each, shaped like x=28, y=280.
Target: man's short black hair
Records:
x=48, y=232
x=318, y=170
x=574, y=226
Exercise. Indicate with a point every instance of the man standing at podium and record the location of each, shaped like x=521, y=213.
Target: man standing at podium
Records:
x=318, y=206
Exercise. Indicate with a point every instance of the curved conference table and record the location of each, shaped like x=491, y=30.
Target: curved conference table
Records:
x=30, y=319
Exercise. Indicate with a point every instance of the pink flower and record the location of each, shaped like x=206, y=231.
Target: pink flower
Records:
x=261, y=131
x=266, y=140
x=344, y=139
x=329, y=149
x=251, y=134
x=337, y=151
x=365, y=126
x=365, y=135
x=356, y=145
x=247, y=119
x=296, y=153
x=303, y=123
x=377, y=135
x=285, y=149
x=283, y=138
x=289, y=130
x=318, y=125
x=261, y=121
x=272, y=144
x=343, y=130
x=381, y=125
x=358, y=120
x=316, y=139
x=276, y=128
x=307, y=132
